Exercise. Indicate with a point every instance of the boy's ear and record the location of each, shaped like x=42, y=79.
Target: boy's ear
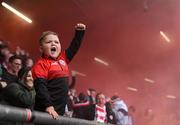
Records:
x=40, y=49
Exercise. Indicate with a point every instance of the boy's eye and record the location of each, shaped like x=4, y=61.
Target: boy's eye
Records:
x=56, y=42
x=48, y=42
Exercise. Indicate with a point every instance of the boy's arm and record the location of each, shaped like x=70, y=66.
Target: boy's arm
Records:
x=76, y=42
x=73, y=81
x=43, y=95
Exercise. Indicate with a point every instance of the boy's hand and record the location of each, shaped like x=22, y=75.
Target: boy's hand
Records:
x=80, y=26
x=52, y=112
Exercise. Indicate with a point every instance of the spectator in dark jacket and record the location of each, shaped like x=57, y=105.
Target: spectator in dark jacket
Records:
x=21, y=94
x=10, y=74
x=81, y=107
x=99, y=111
x=91, y=95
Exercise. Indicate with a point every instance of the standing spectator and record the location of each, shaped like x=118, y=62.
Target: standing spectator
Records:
x=72, y=99
x=4, y=54
x=120, y=109
x=99, y=112
x=72, y=96
x=92, y=95
x=110, y=113
x=51, y=72
x=29, y=62
x=131, y=111
x=73, y=80
x=80, y=108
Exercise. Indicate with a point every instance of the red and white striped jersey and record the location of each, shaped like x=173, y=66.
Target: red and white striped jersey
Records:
x=100, y=115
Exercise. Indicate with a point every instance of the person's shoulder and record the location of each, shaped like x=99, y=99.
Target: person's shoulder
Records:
x=13, y=85
x=92, y=106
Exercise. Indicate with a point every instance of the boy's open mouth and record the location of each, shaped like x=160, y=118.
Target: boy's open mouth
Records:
x=53, y=49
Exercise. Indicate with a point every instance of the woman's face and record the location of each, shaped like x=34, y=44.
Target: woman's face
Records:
x=29, y=80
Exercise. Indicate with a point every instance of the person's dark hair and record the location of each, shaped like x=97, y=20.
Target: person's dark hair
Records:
x=23, y=72
x=44, y=34
x=82, y=97
x=91, y=89
x=3, y=46
x=114, y=97
x=12, y=58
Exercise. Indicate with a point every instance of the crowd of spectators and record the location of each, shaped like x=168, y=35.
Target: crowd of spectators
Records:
x=17, y=89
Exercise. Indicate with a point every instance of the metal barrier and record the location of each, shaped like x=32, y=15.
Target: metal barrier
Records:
x=14, y=114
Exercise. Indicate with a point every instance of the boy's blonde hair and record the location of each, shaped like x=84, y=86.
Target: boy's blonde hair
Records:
x=44, y=34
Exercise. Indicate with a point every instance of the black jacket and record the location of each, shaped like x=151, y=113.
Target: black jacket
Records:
x=91, y=114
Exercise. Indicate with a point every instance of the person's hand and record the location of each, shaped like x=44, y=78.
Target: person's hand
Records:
x=73, y=73
x=52, y=112
x=80, y=26
x=88, y=93
x=3, y=84
x=71, y=97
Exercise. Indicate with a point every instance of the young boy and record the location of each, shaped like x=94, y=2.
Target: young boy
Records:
x=51, y=71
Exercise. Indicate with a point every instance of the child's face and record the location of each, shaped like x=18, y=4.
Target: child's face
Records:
x=51, y=46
